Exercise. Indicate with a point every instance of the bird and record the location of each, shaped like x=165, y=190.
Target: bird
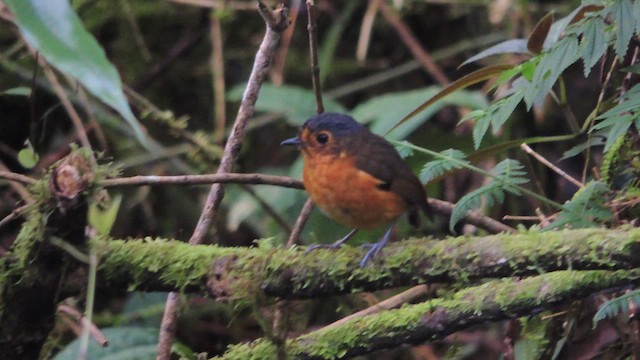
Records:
x=357, y=178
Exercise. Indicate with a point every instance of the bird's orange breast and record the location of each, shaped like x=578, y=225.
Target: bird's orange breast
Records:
x=347, y=194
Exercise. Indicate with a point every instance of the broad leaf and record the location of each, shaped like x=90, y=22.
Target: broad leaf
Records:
x=53, y=29
x=381, y=111
x=465, y=81
x=126, y=342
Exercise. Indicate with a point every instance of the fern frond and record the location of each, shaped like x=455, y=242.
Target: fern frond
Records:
x=448, y=160
x=616, y=306
x=508, y=174
x=585, y=209
x=609, y=159
x=403, y=149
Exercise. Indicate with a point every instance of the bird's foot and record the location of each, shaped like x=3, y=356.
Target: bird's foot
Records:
x=374, y=250
x=335, y=245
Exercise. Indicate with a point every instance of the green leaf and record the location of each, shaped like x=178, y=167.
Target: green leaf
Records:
x=125, y=343
x=635, y=68
x=403, y=150
x=593, y=43
x=102, y=216
x=495, y=115
x=27, y=157
x=297, y=104
x=617, y=126
x=480, y=127
x=144, y=308
x=622, y=13
x=586, y=208
x=616, y=306
x=507, y=175
x=558, y=28
x=55, y=31
x=17, y=91
x=451, y=159
x=513, y=46
x=464, y=82
x=504, y=108
x=382, y=110
x=554, y=61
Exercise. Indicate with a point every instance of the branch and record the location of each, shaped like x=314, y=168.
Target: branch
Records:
x=26, y=180
x=256, y=179
x=495, y=300
x=241, y=274
x=276, y=22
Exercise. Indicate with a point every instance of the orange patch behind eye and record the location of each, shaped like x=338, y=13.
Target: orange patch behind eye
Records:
x=349, y=195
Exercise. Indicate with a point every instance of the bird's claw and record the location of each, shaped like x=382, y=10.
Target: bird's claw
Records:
x=374, y=250
x=321, y=246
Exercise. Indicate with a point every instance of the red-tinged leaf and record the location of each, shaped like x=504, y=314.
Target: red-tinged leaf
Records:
x=583, y=11
x=465, y=81
x=539, y=34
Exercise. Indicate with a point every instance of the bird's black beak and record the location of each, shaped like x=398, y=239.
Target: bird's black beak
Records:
x=292, y=141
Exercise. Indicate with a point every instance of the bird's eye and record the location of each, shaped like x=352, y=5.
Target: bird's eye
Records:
x=322, y=138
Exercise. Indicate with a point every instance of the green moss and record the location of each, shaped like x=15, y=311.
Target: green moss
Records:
x=177, y=263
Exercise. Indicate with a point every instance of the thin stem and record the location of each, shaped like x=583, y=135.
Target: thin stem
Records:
x=412, y=42
x=217, y=71
x=66, y=103
x=300, y=222
x=207, y=179
x=480, y=171
x=91, y=291
x=23, y=179
x=546, y=162
x=313, y=52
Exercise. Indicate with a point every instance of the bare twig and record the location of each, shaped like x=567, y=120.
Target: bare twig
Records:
x=66, y=103
x=17, y=182
x=365, y=30
x=217, y=71
x=313, y=52
x=219, y=4
x=413, y=44
x=276, y=22
x=14, y=214
x=23, y=179
x=472, y=217
x=546, y=162
x=207, y=179
x=280, y=58
x=299, y=225
x=317, y=90
x=388, y=304
x=75, y=318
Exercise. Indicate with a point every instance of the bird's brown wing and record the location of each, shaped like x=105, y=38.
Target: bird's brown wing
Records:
x=379, y=158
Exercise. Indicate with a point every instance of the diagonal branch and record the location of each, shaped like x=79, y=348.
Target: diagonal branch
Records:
x=493, y=301
x=276, y=22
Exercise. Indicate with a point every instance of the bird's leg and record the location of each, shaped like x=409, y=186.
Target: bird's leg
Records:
x=374, y=249
x=335, y=245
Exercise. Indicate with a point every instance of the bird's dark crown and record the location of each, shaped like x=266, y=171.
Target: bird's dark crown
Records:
x=336, y=123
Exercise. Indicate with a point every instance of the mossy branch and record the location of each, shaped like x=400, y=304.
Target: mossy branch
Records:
x=240, y=274
x=434, y=319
